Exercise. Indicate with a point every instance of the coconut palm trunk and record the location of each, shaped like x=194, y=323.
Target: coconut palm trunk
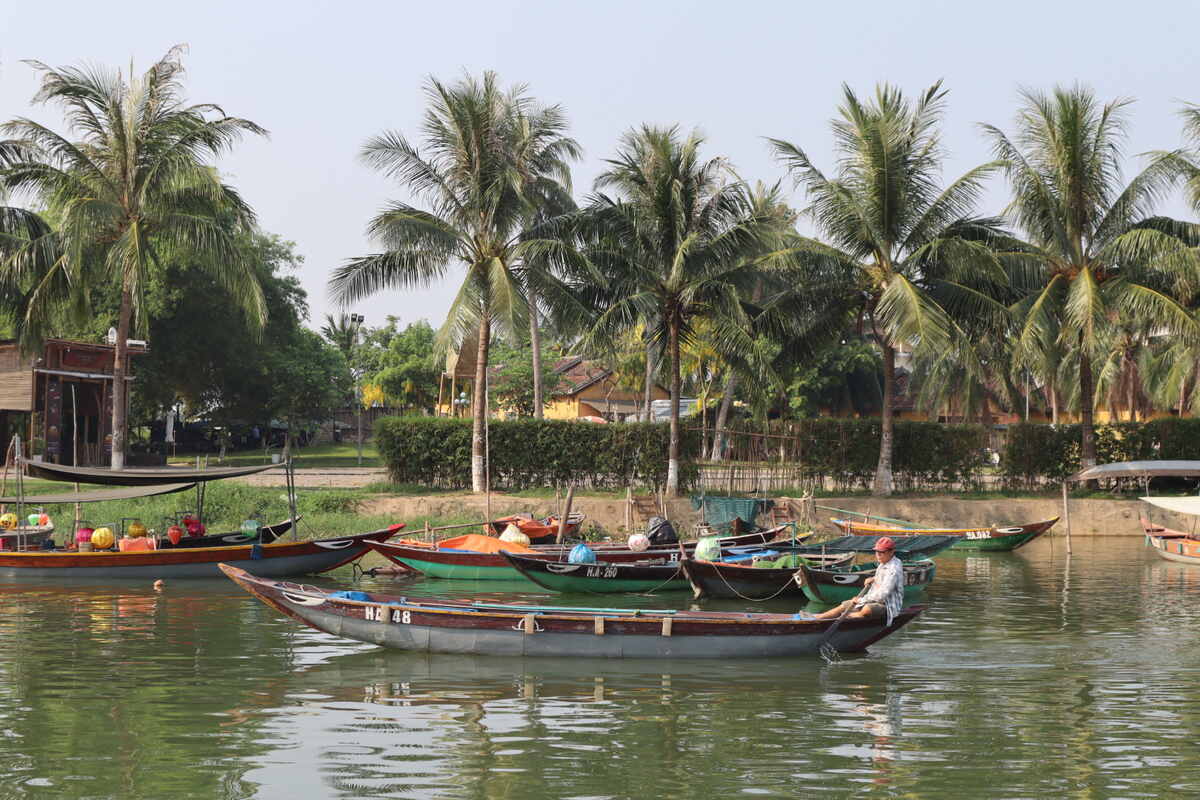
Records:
x=676, y=386
x=535, y=345
x=719, y=434
x=120, y=385
x=1087, y=392
x=478, y=437
x=884, y=484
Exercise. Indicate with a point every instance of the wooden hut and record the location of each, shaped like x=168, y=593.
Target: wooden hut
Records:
x=61, y=401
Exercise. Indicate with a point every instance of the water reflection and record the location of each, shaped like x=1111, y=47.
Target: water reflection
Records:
x=1031, y=675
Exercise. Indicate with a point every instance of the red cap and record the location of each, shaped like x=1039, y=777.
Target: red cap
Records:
x=885, y=543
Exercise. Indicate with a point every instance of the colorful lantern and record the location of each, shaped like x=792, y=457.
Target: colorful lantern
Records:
x=250, y=527
x=83, y=535
x=639, y=542
x=102, y=538
x=136, y=529
x=8, y=521
x=33, y=520
x=175, y=534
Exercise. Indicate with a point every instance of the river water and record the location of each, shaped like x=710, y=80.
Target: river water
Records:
x=1031, y=675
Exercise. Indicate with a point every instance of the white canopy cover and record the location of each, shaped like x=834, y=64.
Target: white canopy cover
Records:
x=1181, y=505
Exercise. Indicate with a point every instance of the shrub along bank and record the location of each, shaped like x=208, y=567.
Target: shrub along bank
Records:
x=531, y=454
x=1037, y=454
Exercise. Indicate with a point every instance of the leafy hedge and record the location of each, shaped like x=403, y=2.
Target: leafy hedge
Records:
x=1036, y=454
x=927, y=455
x=531, y=454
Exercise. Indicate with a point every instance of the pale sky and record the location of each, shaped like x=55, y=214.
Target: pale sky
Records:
x=323, y=77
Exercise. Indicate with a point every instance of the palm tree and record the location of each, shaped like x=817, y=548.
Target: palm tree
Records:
x=134, y=184
x=1096, y=253
x=490, y=161
x=905, y=258
x=342, y=332
x=676, y=244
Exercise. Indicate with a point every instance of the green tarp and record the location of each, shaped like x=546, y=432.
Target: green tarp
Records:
x=720, y=511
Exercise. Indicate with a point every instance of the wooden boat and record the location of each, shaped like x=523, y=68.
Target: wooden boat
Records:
x=1171, y=544
x=744, y=581
x=993, y=538
x=266, y=534
x=438, y=561
x=832, y=586
x=651, y=575
x=494, y=629
x=539, y=531
x=275, y=559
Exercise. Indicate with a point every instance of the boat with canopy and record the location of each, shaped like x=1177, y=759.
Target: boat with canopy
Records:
x=498, y=629
x=193, y=555
x=1169, y=543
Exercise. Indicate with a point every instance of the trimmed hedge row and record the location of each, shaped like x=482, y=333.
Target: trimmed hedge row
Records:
x=1036, y=454
x=532, y=454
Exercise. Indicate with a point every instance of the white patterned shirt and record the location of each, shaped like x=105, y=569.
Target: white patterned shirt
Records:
x=887, y=588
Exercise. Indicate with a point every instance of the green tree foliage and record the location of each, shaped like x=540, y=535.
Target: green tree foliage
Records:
x=491, y=163
x=844, y=379
x=906, y=259
x=408, y=369
x=512, y=382
x=133, y=184
x=1097, y=254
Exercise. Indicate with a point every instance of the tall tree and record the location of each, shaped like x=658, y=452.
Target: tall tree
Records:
x=129, y=180
x=905, y=257
x=675, y=243
x=490, y=158
x=1097, y=252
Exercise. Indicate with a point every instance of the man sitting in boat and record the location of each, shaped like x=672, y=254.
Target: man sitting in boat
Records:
x=884, y=591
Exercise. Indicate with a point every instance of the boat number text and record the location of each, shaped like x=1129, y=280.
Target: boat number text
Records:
x=378, y=614
x=979, y=534
x=602, y=572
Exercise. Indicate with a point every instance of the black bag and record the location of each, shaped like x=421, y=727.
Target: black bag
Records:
x=661, y=532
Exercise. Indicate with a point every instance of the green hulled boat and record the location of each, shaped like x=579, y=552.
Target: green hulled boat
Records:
x=833, y=586
x=602, y=578
x=993, y=539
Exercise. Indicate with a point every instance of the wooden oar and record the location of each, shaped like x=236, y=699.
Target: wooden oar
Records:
x=824, y=645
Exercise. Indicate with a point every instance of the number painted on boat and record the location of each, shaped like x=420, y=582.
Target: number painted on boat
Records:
x=373, y=613
x=602, y=572
x=402, y=617
x=979, y=534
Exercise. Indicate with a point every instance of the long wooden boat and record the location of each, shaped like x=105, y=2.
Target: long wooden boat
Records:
x=738, y=580
x=493, y=629
x=832, y=586
x=605, y=577
x=993, y=538
x=277, y=559
x=1171, y=544
x=440, y=562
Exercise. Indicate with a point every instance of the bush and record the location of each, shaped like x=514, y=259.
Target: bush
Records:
x=926, y=455
x=530, y=453
x=1036, y=454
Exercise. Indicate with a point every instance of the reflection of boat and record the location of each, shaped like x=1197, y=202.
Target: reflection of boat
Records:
x=830, y=586
x=514, y=629
x=992, y=538
x=276, y=559
x=539, y=531
x=445, y=560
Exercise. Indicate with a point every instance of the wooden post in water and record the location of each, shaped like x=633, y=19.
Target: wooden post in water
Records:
x=562, y=521
x=628, y=509
x=1066, y=516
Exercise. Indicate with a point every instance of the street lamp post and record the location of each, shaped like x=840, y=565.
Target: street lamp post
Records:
x=357, y=320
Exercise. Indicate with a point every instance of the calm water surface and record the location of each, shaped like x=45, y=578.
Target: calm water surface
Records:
x=1031, y=675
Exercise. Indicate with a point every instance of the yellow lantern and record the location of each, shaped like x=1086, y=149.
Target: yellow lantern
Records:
x=102, y=538
x=8, y=521
x=136, y=529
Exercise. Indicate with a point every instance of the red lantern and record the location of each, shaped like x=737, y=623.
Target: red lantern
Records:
x=174, y=534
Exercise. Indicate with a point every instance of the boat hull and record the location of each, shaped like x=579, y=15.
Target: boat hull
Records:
x=279, y=559
x=831, y=587
x=736, y=581
x=480, y=629
x=1172, y=545
x=601, y=578
x=986, y=539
